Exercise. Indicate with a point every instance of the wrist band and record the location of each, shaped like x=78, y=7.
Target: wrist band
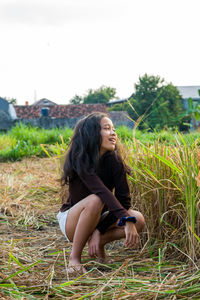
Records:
x=123, y=220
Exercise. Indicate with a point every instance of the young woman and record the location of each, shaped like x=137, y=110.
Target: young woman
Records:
x=93, y=168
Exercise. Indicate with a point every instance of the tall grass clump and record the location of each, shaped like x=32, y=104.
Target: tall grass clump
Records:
x=165, y=186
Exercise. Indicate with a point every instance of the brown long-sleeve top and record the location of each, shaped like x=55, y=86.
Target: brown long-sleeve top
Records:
x=111, y=175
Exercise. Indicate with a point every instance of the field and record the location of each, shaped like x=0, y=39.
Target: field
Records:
x=164, y=183
x=24, y=141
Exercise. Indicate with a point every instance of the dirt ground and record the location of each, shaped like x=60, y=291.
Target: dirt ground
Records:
x=29, y=232
x=34, y=253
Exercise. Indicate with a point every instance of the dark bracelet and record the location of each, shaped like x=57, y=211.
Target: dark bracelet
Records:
x=123, y=220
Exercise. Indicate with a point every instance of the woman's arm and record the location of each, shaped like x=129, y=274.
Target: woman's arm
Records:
x=122, y=192
x=97, y=187
x=117, y=172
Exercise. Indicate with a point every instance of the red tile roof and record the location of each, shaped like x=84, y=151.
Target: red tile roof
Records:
x=59, y=111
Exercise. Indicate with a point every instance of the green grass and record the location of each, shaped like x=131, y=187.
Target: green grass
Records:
x=25, y=141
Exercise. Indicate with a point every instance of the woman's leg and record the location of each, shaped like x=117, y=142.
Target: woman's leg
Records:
x=115, y=232
x=81, y=221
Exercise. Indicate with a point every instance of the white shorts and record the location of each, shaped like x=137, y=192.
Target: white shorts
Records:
x=62, y=217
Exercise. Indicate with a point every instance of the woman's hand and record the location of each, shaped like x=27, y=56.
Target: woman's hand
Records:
x=93, y=244
x=132, y=237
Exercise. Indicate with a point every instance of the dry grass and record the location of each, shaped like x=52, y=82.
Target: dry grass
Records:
x=34, y=253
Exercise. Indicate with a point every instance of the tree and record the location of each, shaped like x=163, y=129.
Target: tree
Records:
x=159, y=104
x=76, y=100
x=147, y=89
x=102, y=95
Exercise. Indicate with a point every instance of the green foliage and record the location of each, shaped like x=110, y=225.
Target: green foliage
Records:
x=76, y=100
x=25, y=141
x=119, y=107
x=159, y=104
x=20, y=150
x=101, y=95
x=7, y=142
x=146, y=90
x=193, y=111
x=124, y=133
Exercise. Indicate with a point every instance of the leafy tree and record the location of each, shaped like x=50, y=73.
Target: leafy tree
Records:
x=102, y=95
x=168, y=109
x=146, y=89
x=76, y=100
x=159, y=104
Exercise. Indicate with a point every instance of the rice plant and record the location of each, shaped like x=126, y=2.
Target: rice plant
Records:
x=164, y=183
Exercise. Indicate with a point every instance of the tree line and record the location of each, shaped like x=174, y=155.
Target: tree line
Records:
x=154, y=105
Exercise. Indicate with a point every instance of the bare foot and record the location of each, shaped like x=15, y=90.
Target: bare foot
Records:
x=75, y=266
x=102, y=257
x=76, y=269
x=101, y=254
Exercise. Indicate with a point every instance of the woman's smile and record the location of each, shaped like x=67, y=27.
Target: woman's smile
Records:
x=113, y=140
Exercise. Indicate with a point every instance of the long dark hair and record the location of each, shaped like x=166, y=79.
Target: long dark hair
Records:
x=84, y=148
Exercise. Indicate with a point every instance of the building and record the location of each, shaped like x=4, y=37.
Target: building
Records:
x=7, y=114
x=47, y=114
x=189, y=92
x=58, y=111
x=44, y=102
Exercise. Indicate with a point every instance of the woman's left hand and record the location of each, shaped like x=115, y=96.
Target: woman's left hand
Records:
x=132, y=237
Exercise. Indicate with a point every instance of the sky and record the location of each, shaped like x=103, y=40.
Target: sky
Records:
x=57, y=49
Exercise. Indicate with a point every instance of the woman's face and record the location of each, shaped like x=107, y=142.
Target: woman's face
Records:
x=108, y=136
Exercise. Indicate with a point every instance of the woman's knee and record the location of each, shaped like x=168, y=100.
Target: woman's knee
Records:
x=95, y=203
x=140, y=219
